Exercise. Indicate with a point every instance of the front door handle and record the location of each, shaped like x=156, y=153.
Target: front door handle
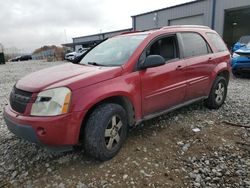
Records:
x=179, y=67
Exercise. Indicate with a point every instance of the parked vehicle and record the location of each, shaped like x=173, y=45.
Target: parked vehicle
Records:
x=72, y=56
x=244, y=40
x=15, y=59
x=241, y=61
x=25, y=58
x=21, y=58
x=119, y=83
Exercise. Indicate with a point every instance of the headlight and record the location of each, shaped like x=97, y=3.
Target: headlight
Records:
x=52, y=102
x=235, y=55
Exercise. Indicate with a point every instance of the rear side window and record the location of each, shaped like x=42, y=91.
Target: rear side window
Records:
x=217, y=41
x=194, y=45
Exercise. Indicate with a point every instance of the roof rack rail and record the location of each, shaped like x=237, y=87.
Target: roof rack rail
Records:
x=129, y=32
x=139, y=31
x=186, y=26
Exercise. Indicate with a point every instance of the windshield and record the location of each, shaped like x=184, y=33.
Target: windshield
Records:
x=245, y=39
x=114, y=51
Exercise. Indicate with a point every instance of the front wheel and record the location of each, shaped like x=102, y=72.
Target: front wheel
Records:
x=105, y=131
x=217, y=94
x=236, y=74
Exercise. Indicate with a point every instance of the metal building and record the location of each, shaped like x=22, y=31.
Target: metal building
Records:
x=90, y=40
x=230, y=18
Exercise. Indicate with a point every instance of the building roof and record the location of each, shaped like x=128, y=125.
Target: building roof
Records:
x=105, y=33
x=191, y=2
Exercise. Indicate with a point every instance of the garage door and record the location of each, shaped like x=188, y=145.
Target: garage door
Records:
x=192, y=20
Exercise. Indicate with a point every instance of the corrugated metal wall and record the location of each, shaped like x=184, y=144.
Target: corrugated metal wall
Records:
x=163, y=17
x=193, y=20
x=193, y=9
x=87, y=38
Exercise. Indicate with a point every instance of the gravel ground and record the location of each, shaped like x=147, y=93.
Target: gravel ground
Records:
x=162, y=152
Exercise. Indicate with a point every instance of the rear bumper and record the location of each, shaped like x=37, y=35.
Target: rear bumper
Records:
x=53, y=131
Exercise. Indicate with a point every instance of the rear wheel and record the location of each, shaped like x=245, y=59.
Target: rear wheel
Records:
x=105, y=131
x=217, y=94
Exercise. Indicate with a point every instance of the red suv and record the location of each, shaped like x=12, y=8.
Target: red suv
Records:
x=118, y=84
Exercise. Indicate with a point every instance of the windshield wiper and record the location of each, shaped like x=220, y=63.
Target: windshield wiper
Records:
x=95, y=64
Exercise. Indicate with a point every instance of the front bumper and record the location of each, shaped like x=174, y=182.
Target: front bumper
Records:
x=53, y=131
x=23, y=131
x=241, y=65
x=241, y=68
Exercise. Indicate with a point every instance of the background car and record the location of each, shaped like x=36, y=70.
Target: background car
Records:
x=21, y=58
x=74, y=55
x=243, y=41
x=241, y=61
x=25, y=58
x=15, y=59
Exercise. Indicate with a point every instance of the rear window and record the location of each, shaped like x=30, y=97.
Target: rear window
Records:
x=194, y=45
x=217, y=41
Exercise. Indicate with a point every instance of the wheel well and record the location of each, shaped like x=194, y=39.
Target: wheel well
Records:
x=225, y=74
x=121, y=100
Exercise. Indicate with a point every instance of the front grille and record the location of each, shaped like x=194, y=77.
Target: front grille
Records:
x=244, y=54
x=243, y=62
x=19, y=99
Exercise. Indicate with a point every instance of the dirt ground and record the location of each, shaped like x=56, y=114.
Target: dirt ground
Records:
x=162, y=152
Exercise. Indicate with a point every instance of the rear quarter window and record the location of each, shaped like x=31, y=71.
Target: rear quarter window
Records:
x=217, y=42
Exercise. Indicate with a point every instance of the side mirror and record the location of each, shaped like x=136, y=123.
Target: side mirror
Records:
x=153, y=61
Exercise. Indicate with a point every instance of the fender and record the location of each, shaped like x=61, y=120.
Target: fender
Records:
x=126, y=85
x=223, y=66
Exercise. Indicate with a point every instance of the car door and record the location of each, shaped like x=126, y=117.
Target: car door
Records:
x=200, y=63
x=164, y=86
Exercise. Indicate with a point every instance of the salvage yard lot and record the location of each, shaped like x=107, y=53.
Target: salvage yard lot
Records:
x=162, y=152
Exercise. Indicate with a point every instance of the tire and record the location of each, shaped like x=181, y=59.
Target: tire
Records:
x=105, y=131
x=218, y=93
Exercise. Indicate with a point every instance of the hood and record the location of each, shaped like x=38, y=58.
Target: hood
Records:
x=243, y=50
x=71, y=53
x=73, y=76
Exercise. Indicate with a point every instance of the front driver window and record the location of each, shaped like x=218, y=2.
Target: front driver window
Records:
x=165, y=47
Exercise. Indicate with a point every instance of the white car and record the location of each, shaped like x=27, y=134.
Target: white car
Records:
x=72, y=55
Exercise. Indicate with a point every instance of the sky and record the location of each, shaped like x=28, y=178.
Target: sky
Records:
x=30, y=24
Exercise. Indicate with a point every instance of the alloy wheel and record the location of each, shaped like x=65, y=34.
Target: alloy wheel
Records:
x=219, y=93
x=113, y=132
